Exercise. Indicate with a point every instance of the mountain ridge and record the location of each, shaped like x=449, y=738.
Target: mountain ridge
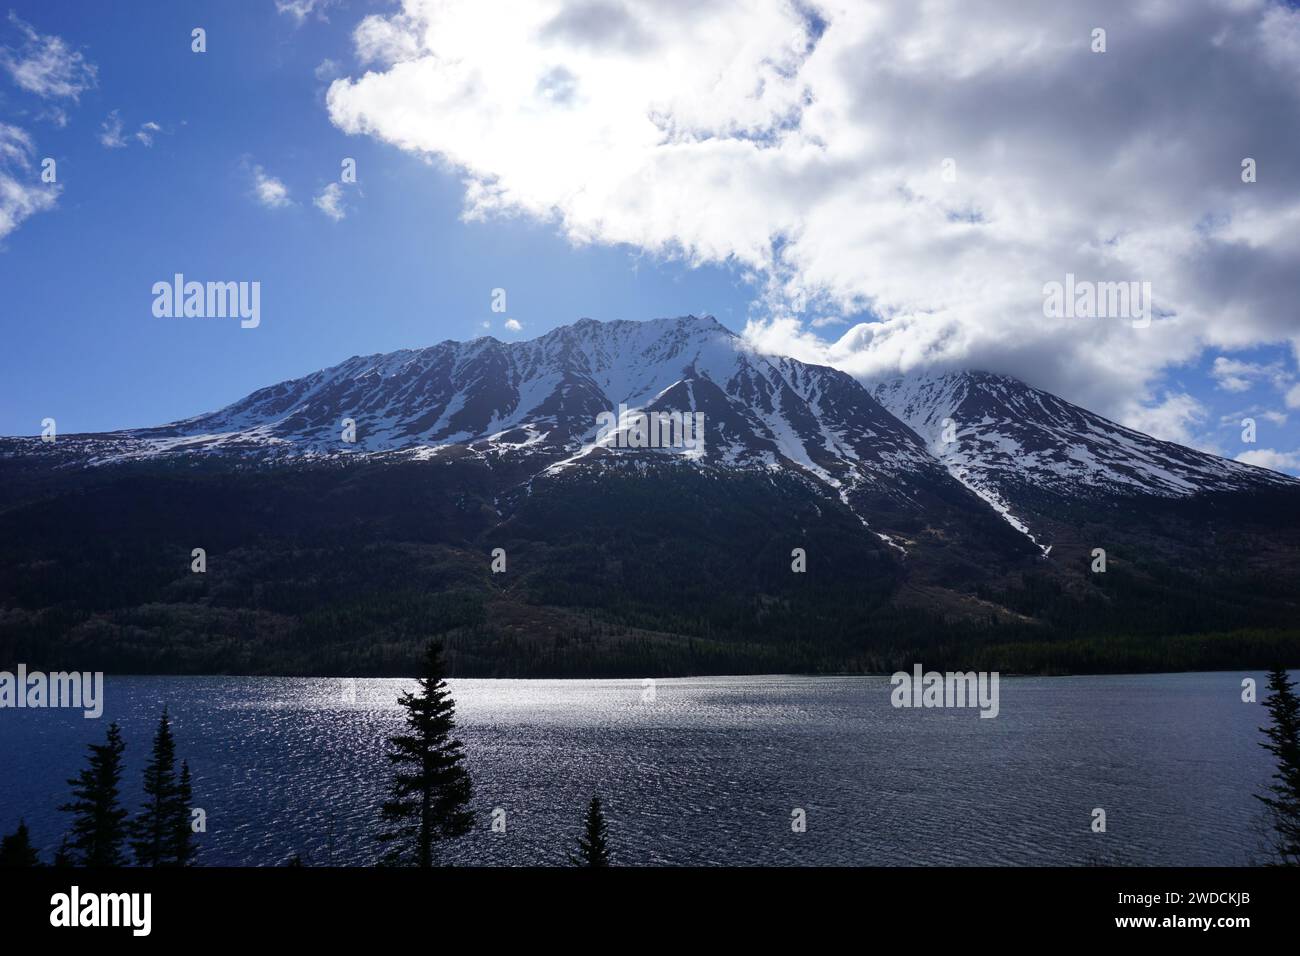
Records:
x=549, y=390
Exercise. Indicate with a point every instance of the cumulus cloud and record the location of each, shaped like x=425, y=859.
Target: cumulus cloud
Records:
x=21, y=192
x=270, y=191
x=809, y=144
x=1173, y=418
x=387, y=40
x=513, y=325
x=46, y=65
x=330, y=202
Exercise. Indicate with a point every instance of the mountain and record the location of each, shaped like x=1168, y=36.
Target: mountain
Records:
x=544, y=396
x=1027, y=452
x=534, y=407
x=349, y=515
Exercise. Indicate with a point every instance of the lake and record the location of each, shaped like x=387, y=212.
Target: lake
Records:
x=707, y=772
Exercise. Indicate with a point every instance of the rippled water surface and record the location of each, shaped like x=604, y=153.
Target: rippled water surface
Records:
x=706, y=773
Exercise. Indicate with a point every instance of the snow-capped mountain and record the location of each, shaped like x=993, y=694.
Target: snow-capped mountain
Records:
x=1011, y=444
x=315, y=542
x=922, y=451
x=546, y=395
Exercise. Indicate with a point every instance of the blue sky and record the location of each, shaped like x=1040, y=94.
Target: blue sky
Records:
x=400, y=271
x=727, y=215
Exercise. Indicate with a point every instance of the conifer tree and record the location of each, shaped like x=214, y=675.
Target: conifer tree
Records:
x=431, y=788
x=1283, y=795
x=16, y=849
x=152, y=829
x=593, y=846
x=63, y=855
x=99, y=821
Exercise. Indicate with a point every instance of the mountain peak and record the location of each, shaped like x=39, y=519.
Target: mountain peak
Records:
x=1009, y=442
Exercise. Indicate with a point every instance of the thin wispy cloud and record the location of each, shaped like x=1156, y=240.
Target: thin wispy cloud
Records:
x=146, y=132
x=44, y=64
x=110, y=131
x=300, y=10
x=112, y=135
x=21, y=193
x=672, y=119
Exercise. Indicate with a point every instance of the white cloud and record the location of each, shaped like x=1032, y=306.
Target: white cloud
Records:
x=387, y=40
x=326, y=70
x=1288, y=461
x=269, y=191
x=514, y=325
x=110, y=131
x=1232, y=375
x=55, y=114
x=803, y=144
x=330, y=202
x=46, y=65
x=1233, y=419
x=1293, y=397
x=146, y=131
x=1172, y=418
x=112, y=137
x=21, y=193
x=300, y=10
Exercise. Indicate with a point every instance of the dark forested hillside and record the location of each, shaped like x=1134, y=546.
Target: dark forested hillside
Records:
x=333, y=568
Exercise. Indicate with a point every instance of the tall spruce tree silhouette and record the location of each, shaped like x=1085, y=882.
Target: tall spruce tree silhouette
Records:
x=16, y=849
x=431, y=787
x=99, y=822
x=1283, y=795
x=152, y=829
x=593, y=846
